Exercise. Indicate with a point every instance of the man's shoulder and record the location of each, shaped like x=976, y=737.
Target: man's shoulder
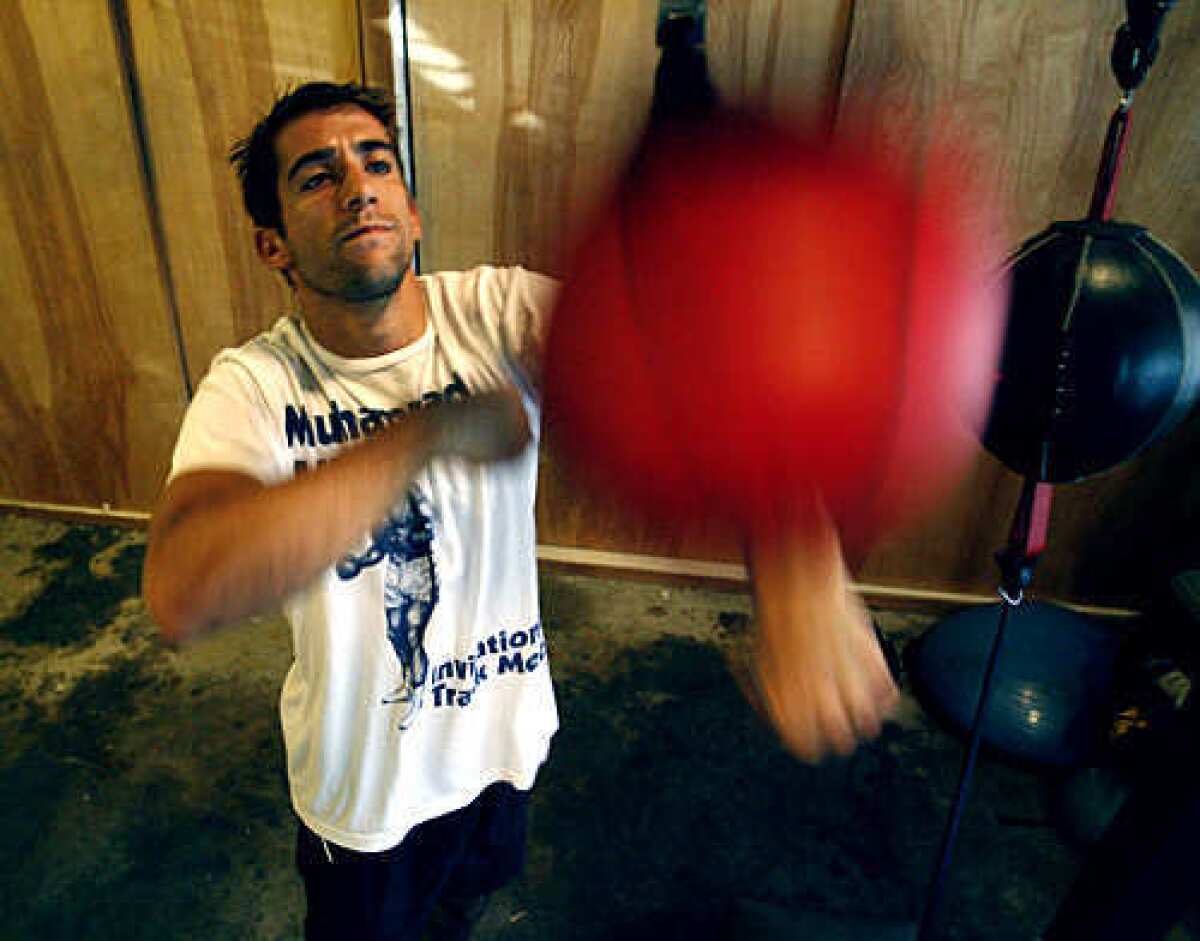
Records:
x=267, y=357
x=280, y=336
x=468, y=282
x=493, y=288
x=486, y=277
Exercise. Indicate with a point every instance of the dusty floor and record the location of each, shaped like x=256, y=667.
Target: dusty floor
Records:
x=142, y=791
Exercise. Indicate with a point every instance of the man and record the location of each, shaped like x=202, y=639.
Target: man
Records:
x=371, y=464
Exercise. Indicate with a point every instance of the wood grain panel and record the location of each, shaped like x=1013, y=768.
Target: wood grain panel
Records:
x=209, y=70
x=779, y=56
x=1033, y=79
x=90, y=377
x=523, y=112
x=376, y=37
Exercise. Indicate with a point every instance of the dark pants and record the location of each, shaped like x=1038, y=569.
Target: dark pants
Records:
x=439, y=874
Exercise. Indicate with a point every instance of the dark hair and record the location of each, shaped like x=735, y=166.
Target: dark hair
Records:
x=253, y=157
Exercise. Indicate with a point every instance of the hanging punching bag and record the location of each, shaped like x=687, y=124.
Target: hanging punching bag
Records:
x=1102, y=353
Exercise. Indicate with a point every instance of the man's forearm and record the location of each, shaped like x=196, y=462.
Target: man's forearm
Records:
x=223, y=561
x=822, y=677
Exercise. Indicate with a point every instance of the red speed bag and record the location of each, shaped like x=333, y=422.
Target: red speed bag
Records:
x=757, y=313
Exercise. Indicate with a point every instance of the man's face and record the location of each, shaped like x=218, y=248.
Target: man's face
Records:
x=350, y=223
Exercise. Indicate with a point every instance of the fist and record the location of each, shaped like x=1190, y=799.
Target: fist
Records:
x=490, y=426
x=822, y=678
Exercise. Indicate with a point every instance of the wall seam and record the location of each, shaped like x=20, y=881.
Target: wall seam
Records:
x=839, y=77
x=123, y=33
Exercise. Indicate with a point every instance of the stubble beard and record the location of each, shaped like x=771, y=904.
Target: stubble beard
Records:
x=357, y=284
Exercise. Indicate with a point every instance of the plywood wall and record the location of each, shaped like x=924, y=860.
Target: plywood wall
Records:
x=89, y=374
x=779, y=56
x=208, y=70
x=116, y=287
x=522, y=110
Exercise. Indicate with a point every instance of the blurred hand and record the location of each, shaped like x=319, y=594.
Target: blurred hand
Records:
x=490, y=426
x=822, y=677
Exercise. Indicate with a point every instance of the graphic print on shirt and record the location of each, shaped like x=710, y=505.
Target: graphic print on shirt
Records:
x=404, y=544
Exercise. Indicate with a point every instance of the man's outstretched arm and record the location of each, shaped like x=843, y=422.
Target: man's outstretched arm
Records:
x=223, y=545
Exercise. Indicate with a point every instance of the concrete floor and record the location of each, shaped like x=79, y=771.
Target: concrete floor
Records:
x=142, y=791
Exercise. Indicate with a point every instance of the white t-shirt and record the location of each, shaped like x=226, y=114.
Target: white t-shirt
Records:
x=420, y=673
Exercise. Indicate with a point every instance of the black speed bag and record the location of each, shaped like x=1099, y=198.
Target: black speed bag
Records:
x=1102, y=353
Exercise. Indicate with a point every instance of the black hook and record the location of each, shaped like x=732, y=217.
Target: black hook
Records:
x=681, y=22
x=1136, y=44
x=682, y=87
